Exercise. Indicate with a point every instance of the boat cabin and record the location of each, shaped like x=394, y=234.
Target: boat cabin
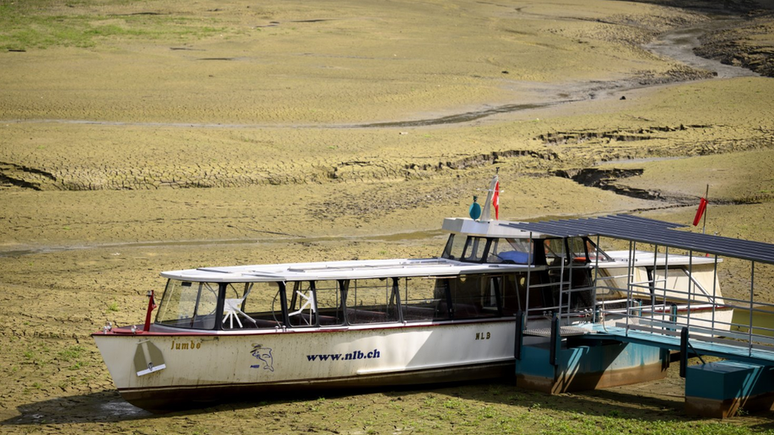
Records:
x=483, y=272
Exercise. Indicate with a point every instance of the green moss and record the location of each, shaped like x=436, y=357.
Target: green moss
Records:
x=41, y=24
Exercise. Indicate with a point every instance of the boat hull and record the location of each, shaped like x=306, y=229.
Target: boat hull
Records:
x=212, y=368
x=173, y=398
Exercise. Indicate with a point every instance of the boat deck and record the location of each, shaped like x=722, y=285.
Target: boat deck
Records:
x=723, y=347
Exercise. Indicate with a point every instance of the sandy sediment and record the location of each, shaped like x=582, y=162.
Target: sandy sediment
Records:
x=727, y=116
x=187, y=135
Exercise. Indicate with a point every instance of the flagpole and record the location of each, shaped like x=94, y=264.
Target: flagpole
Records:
x=704, y=226
x=486, y=209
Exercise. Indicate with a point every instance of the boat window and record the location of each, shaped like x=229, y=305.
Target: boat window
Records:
x=454, y=246
x=676, y=284
x=329, y=307
x=474, y=249
x=492, y=294
x=372, y=301
x=188, y=304
x=473, y=296
x=302, y=306
x=595, y=253
x=578, y=248
x=509, y=251
x=555, y=251
x=514, y=292
x=420, y=299
x=252, y=305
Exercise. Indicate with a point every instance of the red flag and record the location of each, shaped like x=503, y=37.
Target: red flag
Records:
x=700, y=211
x=496, y=200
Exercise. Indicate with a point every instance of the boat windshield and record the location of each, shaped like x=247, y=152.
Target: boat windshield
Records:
x=581, y=249
x=509, y=251
x=188, y=304
x=454, y=247
x=193, y=305
x=461, y=248
x=489, y=250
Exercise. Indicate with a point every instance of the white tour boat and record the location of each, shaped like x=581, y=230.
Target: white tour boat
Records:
x=226, y=333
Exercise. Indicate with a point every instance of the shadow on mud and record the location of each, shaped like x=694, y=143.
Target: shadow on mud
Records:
x=108, y=406
x=105, y=406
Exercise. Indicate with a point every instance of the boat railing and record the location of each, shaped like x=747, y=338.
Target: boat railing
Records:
x=670, y=287
x=665, y=302
x=677, y=297
x=611, y=277
x=566, y=306
x=704, y=323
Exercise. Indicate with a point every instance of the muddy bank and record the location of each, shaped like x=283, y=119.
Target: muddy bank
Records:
x=742, y=34
x=749, y=45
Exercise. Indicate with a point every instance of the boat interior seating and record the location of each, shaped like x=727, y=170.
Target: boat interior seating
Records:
x=464, y=311
x=232, y=312
x=356, y=315
x=304, y=319
x=414, y=313
x=513, y=257
x=261, y=323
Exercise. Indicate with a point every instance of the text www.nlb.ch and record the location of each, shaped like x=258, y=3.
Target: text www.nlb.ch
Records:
x=344, y=357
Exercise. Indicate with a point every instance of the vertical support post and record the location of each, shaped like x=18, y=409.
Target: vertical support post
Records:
x=151, y=307
x=683, y=351
x=666, y=274
x=752, y=286
x=563, y=259
x=714, y=293
x=519, y=335
x=690, y=286
x=556, y=341
x=570, y=260
x=530, y=260
x=596, y=281
x=342, y=305
x=673, y=315
x=284, y=304
x=597, y=313
x=704, y=225
x=629, y=273
x=652, y=284
x=218, y=305
x=313, y=292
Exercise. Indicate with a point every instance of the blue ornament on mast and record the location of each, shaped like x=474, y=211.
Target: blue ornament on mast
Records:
x=475, y=210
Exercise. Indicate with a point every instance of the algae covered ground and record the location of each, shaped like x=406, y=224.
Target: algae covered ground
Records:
x=137, y=137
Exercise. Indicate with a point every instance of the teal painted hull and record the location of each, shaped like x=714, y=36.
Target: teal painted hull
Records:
x=587, y=367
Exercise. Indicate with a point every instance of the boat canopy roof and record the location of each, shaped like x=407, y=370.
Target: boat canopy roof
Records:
x=639, y=229
x=493, y=228
x=625, y=227
x=335, y=270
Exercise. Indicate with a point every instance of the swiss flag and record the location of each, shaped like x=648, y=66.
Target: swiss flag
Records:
x=496, y=200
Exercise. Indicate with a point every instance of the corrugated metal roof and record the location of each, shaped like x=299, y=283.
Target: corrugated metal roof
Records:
x=655, y=232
